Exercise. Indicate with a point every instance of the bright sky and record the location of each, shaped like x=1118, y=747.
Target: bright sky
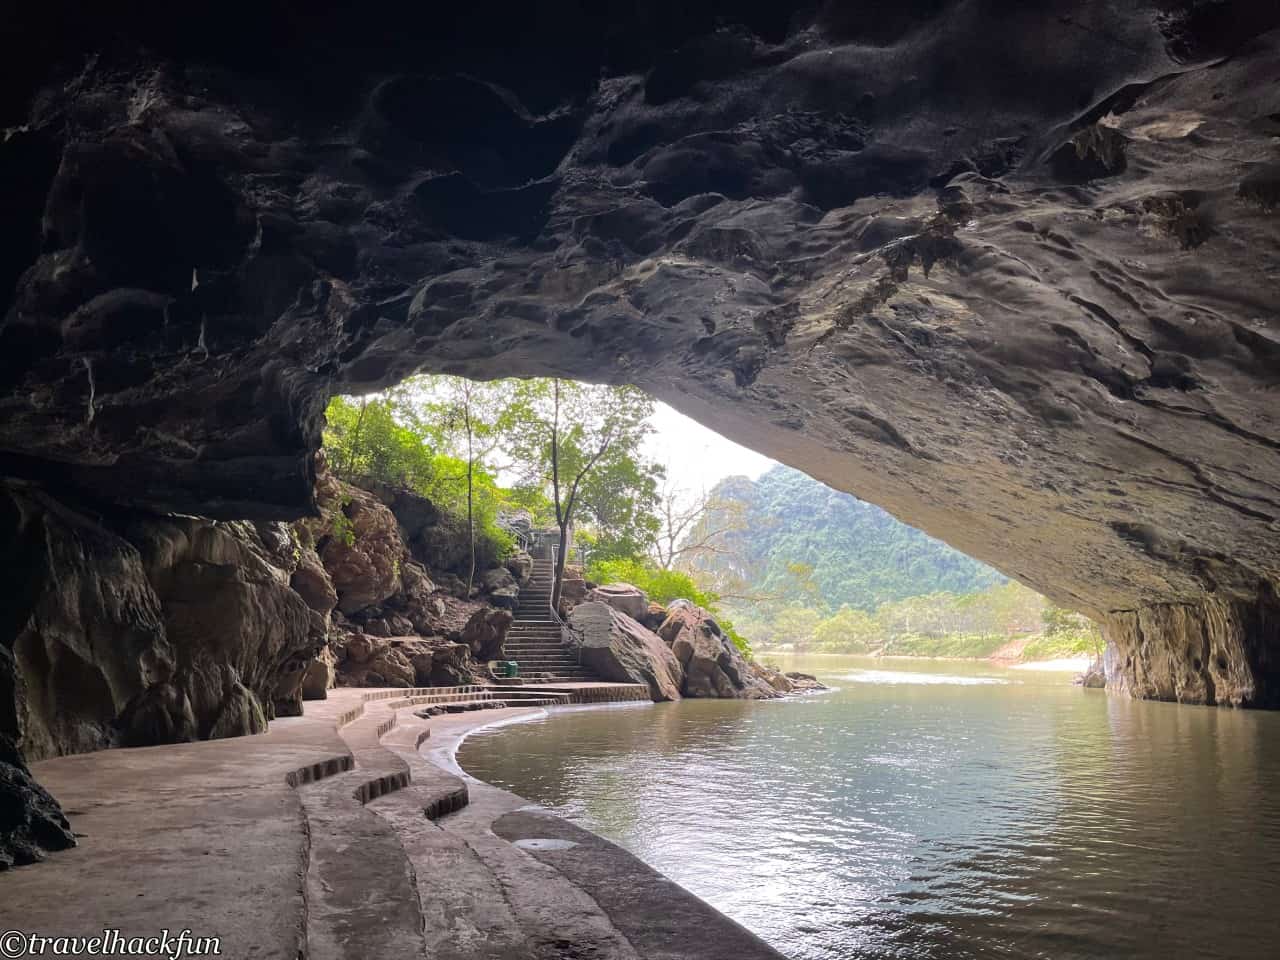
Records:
x=695, y=457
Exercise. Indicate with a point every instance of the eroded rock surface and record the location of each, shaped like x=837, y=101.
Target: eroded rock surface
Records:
x=615, y=647
x=1008, y=271
x=712, y=665
x=623, y=597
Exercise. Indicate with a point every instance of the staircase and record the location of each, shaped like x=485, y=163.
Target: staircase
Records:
x=534, y=639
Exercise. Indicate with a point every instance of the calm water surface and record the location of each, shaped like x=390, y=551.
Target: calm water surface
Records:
x=933, y=809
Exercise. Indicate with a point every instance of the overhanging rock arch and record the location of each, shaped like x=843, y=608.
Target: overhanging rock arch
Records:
x=1011, y=274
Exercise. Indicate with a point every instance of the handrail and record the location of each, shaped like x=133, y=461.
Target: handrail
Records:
x=551, y=605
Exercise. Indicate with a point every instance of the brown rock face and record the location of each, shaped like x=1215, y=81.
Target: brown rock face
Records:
x=1216, y=651
x=713, y=666
x=242, y=638
x=155, y=631
x=485, y=632
x=1009, y=272
x=90, y=646
x=359, y=544
x=617, y=648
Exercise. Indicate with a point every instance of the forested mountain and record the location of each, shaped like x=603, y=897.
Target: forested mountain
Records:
x=790, y=538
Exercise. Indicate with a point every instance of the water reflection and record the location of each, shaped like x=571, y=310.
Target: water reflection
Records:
x=894, y=818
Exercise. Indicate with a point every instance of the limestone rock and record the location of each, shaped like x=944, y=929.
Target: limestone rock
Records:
x=241, y=635
x=88, y=636
x=359, y=544
x=375, y=662
x=500, y=588
x=320, y=677
x=623, y=597
x=484, y=633
x=903, y=288
x=521, y=567
x=311, y=582
x=616, y=647
x=713, y=666
x=31, y=822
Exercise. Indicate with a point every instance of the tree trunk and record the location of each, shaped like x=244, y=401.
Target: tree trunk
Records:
x=561, y=557
x=471, y=530
x=355, y=438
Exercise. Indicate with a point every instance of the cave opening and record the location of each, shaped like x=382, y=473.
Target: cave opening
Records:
x=1008, y=274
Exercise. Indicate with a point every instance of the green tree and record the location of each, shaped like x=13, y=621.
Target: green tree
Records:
x=848, y=630
x=476, y=417
x=573, y=433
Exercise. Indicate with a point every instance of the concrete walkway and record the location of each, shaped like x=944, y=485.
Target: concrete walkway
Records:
x=349, y=833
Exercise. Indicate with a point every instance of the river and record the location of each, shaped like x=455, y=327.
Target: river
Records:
x=933, y=809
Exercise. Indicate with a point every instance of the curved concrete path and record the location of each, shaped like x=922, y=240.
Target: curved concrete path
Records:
x=348, y=833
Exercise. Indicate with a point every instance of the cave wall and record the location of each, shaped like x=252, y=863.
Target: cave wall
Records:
x=129, y=630
x=1007, y=270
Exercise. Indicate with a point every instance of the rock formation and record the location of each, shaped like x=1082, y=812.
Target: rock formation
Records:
x=712, y=664
x=1007, y=271
x=615, y=647
x=623, y=597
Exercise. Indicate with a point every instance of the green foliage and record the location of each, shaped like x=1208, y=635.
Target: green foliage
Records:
x=789, y=537
x=340, y=524
x=663, y=586
x=365, y=439
x=387, y=439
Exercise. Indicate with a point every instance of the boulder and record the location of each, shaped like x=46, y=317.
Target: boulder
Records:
x=521, y=567
x=805, y=682
x=484, y=633
x=573, y=589
x=655, y=615
x=359, y=544
x=31, y=822
x=623, y=597
x=1094, y=676
x=451, y=666
x=774, y=678
x=311, y=582
x=615, y=647
x=501, y=587
x=713, y=665
x=375, y=662
x=320, y=676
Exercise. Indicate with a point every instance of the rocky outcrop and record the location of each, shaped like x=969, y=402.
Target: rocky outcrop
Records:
x=712, y=664
x=241, y=636
x=616, y=647
x=623, y=597
x=87, y=662
x=521, y=567
x=573, y=589
x=1217, y=651
x=485, y=632
x=31, y=823
x=367, y=661
x=500, y=588
x=358, y=542
x=1032, y=317
x=1094, y=676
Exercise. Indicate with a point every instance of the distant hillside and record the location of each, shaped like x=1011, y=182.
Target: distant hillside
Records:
x=848, y=551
